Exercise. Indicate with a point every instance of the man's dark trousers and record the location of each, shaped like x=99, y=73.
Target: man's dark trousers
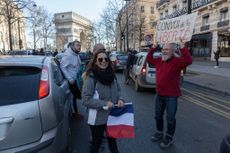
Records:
x=168, y=103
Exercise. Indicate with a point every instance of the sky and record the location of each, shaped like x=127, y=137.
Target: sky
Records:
x=90, y=9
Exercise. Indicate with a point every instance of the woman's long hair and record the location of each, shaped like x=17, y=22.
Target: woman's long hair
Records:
x=92, y=64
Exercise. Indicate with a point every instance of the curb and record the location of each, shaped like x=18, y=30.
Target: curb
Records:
x=209, y=88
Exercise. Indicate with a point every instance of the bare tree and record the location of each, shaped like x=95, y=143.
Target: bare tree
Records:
x=10, y=12
x=46, y=26
x=105, y=29
x=35, y=24
x=138, y=25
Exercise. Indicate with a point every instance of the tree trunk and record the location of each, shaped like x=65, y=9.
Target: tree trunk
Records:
x=10, y=34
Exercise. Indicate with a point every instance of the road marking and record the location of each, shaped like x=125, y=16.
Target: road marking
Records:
x=211, y=97
x=209, y=100
x=208, y=107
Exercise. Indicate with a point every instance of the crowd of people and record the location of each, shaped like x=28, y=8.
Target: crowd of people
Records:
x=100, y=90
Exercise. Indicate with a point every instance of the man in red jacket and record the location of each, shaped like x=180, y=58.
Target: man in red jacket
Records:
x=168, y=73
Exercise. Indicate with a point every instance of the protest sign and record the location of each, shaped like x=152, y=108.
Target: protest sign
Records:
x=176, y=29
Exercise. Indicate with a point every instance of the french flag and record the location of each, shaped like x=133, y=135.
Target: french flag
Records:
x=120, y=123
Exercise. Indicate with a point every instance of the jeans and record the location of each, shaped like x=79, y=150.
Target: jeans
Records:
x=97, y=132
x=76, y=94
x=168, y=103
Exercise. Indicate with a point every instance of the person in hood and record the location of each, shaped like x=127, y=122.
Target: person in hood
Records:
x=70, y=64
x=168, y=71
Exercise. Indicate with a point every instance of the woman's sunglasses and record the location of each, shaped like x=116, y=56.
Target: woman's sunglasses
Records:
x=106, y=59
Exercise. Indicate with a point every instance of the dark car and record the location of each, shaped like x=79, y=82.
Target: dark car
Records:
x=19, y=52
x=119, y=61
x=34, y=108
x=85, y=56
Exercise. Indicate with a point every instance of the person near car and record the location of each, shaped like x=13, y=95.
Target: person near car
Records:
x=129, y=64
x=168, y=71
x=70, y=63
x=101, y=92
x=217, y=56
x=98, y=47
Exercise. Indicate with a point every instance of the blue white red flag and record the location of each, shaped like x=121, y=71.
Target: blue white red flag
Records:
x=120, y=123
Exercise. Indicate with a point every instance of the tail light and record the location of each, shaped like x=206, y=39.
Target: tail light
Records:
x=143, y=69
x=117, y=62
x=44, y=83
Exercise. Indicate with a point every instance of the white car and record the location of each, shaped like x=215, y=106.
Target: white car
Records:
x=142, y=73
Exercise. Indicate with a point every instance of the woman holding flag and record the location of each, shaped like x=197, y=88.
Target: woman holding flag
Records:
x=101, y=92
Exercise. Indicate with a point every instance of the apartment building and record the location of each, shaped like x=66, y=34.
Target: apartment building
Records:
x=212, y=28
x=17, y=33
x=71, y=26
x=134, y=24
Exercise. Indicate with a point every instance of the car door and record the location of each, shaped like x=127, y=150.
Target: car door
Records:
x=20, y=121
x=61, y=92
x=133, y=70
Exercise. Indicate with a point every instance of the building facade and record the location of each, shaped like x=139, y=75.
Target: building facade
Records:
x=17, y=33
x=71, y=26
x=212, y=28
x=134, y=24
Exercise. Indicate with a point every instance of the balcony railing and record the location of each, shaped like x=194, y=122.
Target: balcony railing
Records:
x=199, y=3
x=204, y=28
x=161, y=2
x=223, y=23
x=177, y=13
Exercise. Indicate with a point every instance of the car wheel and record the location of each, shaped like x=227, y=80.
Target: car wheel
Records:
x=137, y=87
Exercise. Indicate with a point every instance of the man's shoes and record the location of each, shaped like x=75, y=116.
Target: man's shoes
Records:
x=167, y=142
x=158, y=136
x=78, y=115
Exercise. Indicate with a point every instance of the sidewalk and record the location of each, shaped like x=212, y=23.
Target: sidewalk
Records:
x=203, y=73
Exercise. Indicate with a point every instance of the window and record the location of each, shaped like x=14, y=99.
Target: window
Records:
x=174, y=8
x=142, y=9
x=19, y=84
x=161, y=15
x=205, y=20
x=223, y=16
x=57, y=74
x=62, y=16
x=166, y=12
x=142, y=20
x=140, y=60
x=152, y=10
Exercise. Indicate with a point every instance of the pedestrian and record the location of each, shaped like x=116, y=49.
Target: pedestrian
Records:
x=98, y=47
x=70, y=64
x=101, y=92
x=217, y=56
x=168, y=71
x=129, y=64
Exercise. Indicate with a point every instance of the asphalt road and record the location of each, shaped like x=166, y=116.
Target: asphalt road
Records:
x=203, y=119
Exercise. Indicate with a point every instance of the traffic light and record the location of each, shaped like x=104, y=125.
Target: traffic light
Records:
x=122, y=36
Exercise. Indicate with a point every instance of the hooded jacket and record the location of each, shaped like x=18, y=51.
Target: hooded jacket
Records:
x=70, y=63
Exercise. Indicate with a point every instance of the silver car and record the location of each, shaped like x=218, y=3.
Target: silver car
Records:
x=143, y=73
x=34, y=105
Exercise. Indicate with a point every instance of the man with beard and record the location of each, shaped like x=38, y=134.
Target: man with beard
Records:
x=168, y=71
x=70, y=64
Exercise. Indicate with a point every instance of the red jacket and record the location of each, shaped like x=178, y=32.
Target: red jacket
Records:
x=168, y=72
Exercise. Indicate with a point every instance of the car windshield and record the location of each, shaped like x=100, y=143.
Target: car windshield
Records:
x=122, y=57
x=18, y=84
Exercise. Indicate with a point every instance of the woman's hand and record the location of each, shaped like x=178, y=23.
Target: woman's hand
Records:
x=121, y=103
x=109, y=104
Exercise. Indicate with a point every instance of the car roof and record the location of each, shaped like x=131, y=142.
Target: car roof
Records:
x=141, y=53
x=22, y=60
